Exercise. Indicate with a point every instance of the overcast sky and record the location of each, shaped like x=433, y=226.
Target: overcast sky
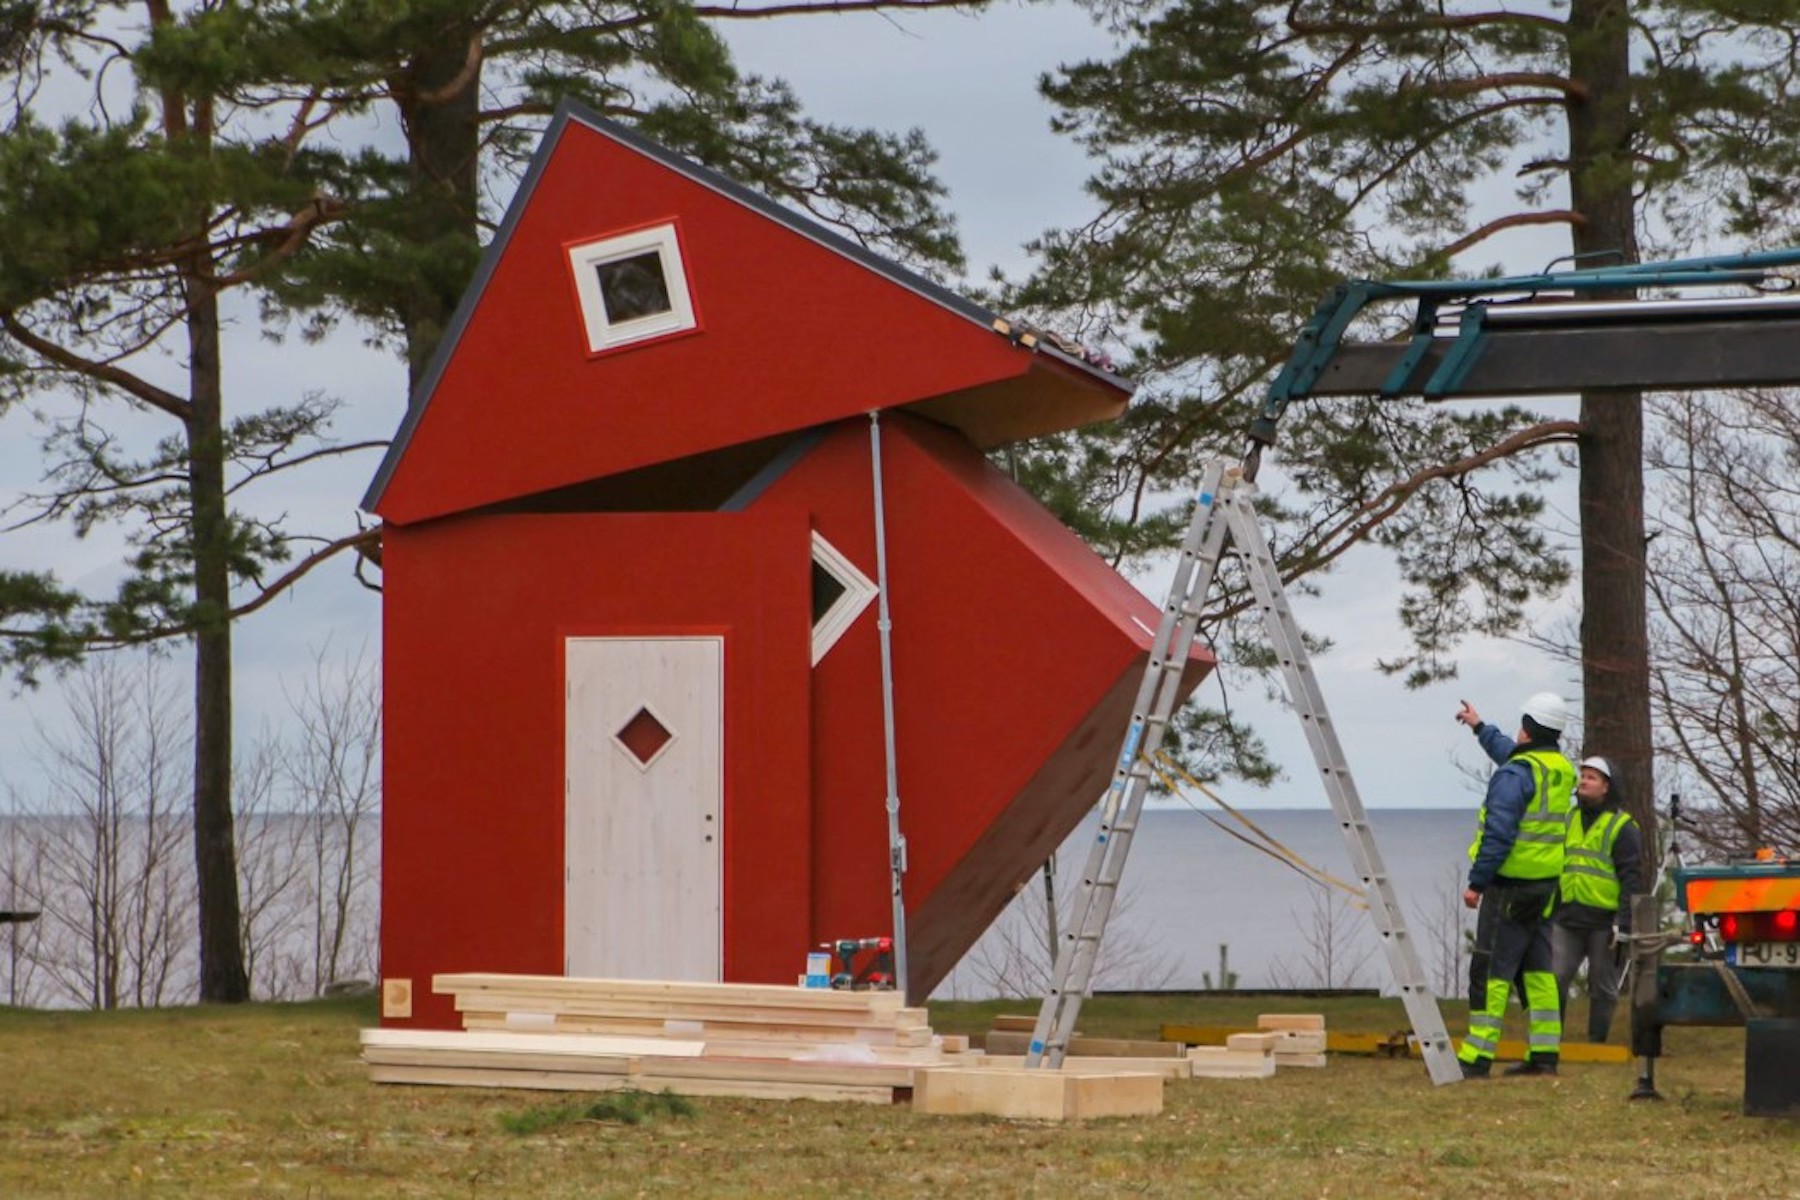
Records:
x=970, y=84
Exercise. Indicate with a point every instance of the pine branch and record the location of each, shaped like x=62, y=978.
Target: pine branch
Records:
x=100, y=372
x=1560, y=216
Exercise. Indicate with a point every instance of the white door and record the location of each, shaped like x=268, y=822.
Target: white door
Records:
x=643, y=738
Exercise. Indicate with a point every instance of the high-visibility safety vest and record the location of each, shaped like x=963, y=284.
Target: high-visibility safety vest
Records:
x=1589, y=876
x=1537, y=853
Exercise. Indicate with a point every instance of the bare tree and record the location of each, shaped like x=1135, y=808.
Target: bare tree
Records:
x=1015, y=957
x=1445, y=926
x=1334, y=937
x=335, y=771
x=1724, y=564
x=111, y=839
x=22, y=880
x=272, y=883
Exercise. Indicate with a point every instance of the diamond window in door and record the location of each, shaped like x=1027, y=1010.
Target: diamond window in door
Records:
x=644, y=737
x=840, y=592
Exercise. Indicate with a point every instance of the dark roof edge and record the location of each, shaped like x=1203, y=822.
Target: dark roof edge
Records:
x=465, y=309
x=774, y=469
x=573, y=110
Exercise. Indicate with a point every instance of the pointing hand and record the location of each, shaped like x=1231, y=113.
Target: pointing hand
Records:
x=1467, y=715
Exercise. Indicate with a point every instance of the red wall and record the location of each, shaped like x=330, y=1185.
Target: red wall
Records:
x=476, y=611
x=1007, y=632
x=793, y=335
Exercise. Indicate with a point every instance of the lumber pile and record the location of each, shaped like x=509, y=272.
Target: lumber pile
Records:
x=700, y=1039
x=710, y=1039
x=1279, y=1040
x=1299, y=1038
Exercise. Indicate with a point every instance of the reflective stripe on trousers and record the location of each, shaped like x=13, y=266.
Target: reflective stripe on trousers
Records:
x=1543, y=1019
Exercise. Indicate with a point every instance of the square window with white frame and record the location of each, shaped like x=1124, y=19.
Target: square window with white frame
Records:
x=632, y=287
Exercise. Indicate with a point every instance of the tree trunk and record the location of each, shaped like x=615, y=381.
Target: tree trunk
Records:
x=222, y=975
x=1615, y=645
x=440, y=108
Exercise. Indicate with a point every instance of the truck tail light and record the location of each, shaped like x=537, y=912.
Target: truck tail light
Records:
x=1782, y=926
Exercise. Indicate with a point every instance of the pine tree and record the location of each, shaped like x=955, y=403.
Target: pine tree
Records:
x=126, y=233
x=473, y=84
x=1250, y=155
x=223, y=167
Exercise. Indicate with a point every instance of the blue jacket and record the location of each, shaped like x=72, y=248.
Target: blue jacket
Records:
x=1509, y=794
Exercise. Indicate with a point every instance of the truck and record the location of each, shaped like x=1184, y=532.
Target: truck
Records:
x=1731, y=958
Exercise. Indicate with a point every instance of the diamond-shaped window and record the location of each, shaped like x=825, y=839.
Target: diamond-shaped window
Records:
x=840, y=592
x=644, y=737
x=631, y=287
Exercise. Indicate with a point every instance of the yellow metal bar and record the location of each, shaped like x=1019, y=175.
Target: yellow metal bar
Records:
x=1394, y=1045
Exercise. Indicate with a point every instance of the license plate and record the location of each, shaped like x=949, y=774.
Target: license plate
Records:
x=1768, y=954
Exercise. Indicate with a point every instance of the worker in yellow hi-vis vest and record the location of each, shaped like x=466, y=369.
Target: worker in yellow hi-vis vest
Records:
x=1514, y=864
x=1601, y=872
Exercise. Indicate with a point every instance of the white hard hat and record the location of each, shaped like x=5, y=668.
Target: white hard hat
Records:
x=1596, y=763
x=1548, y=710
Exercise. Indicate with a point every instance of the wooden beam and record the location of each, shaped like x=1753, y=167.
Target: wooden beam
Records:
x=1035, y=1094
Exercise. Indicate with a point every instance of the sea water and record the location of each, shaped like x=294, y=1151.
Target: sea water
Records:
x=1275, y=907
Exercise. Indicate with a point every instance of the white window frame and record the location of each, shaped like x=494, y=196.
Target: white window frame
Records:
x=859, y=593
x=586, y=258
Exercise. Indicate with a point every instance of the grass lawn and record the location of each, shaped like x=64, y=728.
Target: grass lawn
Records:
x=271, y=1100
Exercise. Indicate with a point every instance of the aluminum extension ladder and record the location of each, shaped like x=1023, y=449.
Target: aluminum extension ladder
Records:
x=1225, y=507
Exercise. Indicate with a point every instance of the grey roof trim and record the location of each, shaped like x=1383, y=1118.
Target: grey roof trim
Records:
x=572, y=110
x=465, y=310
x=776, y=467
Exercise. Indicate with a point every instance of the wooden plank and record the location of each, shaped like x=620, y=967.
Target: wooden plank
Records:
x=671, y=991
x=1035, y=1094
x=1132, y=1095
x=736, y=1008
x=890, y=1075
x=527, y=1008
x=525, y=1043
x=532, y=1052
x=574, y=1064
x=758, y=1047
x=1297, y=1058
x=1002, y=1042
x=1218, y=1062
x=1014, y=1023
x=1170, y=1068
x=575, y=1081
x=701, y=1030
x=1300, y=1022
x=1259, y=1043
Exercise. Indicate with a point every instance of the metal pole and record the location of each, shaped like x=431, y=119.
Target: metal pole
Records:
x=896, y=840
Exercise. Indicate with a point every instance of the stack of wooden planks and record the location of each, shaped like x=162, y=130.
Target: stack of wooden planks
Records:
x=1279, y=1040
x=1300, y=1038
x=700, y=1039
